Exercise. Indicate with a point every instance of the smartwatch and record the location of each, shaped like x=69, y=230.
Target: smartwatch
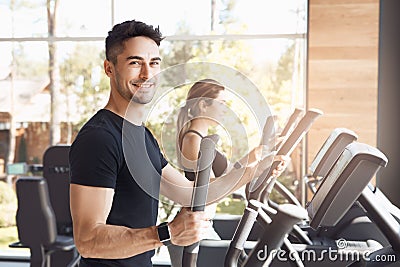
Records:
x=164, y=234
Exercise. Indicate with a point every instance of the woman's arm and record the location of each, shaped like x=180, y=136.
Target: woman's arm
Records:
x=177, y=188
x=250, y=158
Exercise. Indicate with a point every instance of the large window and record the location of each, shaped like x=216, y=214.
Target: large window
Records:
x=263, y=39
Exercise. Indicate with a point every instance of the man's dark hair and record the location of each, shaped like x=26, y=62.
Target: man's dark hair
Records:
x=125, y=30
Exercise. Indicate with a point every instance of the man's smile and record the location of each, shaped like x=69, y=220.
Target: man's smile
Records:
x=143, y=85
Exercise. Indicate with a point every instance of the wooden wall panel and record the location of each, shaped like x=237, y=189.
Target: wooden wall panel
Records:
x=343, y=68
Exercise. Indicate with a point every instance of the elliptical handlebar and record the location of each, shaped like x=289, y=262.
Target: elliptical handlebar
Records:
x=301, y=129
x=200, y=191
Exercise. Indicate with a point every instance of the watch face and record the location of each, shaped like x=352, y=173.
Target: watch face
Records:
x=163, y=232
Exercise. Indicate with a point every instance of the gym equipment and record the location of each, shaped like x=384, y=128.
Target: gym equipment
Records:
x=327, y=155
x=56, y=173
x=292, y=121
x=36, y=223
x=337, y=193
x=343, y=185
x=376, y=207
x=337, y=141
x=200, y=190
x=265, y=183
x=277, y=225
x=238, y=244
x=288, y=128
x=226, y=224
x=355, y=224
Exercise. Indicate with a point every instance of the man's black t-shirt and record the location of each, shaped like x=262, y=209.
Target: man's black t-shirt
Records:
x=97, y=158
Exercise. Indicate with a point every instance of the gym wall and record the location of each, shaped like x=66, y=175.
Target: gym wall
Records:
x=343, y=68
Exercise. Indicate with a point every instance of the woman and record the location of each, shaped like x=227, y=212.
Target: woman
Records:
x=205, y=104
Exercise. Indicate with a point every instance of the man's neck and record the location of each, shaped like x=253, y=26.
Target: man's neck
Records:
x=130, y=111
x=135, y=113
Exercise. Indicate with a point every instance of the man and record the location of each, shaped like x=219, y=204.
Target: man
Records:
x=113, y=216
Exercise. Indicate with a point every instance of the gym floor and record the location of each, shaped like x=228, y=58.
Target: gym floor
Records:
x=15, y=258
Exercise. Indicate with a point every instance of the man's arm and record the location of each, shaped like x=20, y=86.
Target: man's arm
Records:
x=90, y=207
x=96, y=239
x=175, y=186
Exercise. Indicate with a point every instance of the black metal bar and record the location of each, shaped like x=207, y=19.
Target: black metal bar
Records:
x=274, y=234
x=268, y=181
x=242, y=232
x=200, y=190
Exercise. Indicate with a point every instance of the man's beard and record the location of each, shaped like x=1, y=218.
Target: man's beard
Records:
x=142, y=98
x=137, y=97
